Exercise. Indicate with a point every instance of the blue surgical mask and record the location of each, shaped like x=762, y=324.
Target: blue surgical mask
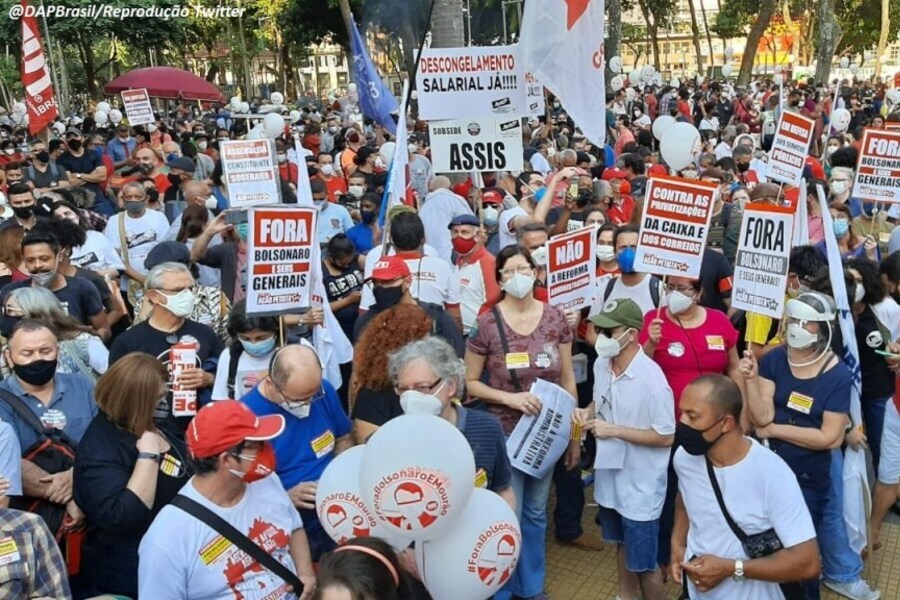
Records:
x=171, y=156
x=539, y=194
x=841, y=227
x=625, y=258
x=368, y=216
x=260, y=348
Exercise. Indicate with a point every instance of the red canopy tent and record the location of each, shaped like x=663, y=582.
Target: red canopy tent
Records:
x=166, y=82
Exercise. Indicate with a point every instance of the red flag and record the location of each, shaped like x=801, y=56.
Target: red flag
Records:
x=39, y=98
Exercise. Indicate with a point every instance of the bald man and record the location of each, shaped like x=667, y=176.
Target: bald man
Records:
x=317, y=429
x=440, y=207
x=195, y=192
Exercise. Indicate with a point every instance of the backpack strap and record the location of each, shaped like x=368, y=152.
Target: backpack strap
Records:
x=26, y=414
x=505, y=345
x=234, y=356
x=609, y=288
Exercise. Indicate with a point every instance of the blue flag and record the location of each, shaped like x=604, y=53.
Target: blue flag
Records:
x=375, y=98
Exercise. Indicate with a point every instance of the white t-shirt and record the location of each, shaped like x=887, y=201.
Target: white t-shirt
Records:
x=96, y=253
x=433, y=281
x=181, y=557
x=640, y=293
x=631, y=478
x=332, y=220
x=888, y=313
x=507, y=237
x=250, y=371
x=141, y=235
x=760, y=492
x=439, y=208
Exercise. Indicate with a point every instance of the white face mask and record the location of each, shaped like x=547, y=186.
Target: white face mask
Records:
x=540, y=255
x=356, y=191
x=859, y=293
x=678, y=302
x=202, y=145
x=830, y=150
x=181, y=304
x=379, y=163
x=416, y=403
x=299, y=410
x=798, y=337
x=211, y=202
x=606, y=253
x=327, y=170
x=491, y=216
x=519, y=285
x=839, y=187
x=281, y=157
x=607, y=347
x=151, y=128
x=320, y=204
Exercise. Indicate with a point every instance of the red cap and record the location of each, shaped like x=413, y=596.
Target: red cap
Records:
x=657, y=170
x=610, y=174
x=225, y=424
x=389, y=268
x=815, y=167
x=491, y=197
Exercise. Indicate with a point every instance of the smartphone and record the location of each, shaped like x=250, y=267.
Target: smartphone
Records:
x=887, y=354
x=236, y=217
x=573, y=189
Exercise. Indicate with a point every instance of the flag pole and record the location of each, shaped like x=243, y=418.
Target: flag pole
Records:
x=412, y=76
x=48, y=47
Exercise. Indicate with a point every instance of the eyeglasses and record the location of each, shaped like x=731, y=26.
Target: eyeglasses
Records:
x=422, y=388
x=684, y=289
x=298, y=402
x=521, y=270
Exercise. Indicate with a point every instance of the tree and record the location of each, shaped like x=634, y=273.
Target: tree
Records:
x=695, y=35
x=766, y=11
x=829, y=32
x=447, y=24
x=883, y=35
x=613, y=45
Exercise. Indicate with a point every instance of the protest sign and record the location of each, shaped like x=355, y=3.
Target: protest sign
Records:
x=674, y=226
x=889, y=126
x=279, y=258
x=761, y=265
x=571, y=269
x=137, y=107
x=539, y=440
x=878, y=169
x=534, y=97
x=482, y=144
x=250, y=172
x=456, y=83
x=789, y=148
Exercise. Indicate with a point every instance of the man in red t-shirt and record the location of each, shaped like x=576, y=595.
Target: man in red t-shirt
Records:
x=474, y=267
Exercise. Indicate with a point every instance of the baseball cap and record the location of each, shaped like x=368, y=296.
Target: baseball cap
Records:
x=225, y=424
x=73, y=131
x=182, y=162
x=618, y=313
x=167, y=252
x=464, y=220
x=389, y=268
x=610, y=174
x=492, y=196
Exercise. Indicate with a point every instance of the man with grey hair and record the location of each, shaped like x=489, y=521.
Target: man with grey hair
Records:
x=429, y=378
x=133, y=233
x=440, y=207
x=188, y=349
x=195, y=192
x=316, y=430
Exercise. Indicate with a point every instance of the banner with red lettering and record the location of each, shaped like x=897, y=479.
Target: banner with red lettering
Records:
x=459, y=83
x=250, y=172
x=280, y=247
x=674, y=226
x=39, y=98
x=878, y=168
x=137, y=107
x=789, y=148
x=761, y=264
x=571, y=269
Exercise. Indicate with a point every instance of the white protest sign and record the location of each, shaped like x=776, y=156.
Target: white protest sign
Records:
x=538, y=441
x=534, y=97
x=137, y=107
x=789, y=148
x=674, y=226
x=878, y=168
x=482, y=144
x=457, y=83
x=279, y=257
x=761, y=264
x=250, y=172
x=571, y=269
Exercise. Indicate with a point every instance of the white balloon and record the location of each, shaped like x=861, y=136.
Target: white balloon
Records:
x=729, y=51
x=19, y=108
x=635, y=76
x=778, y=69
x=726, y=70
x=479, y=555
x=647, y=73
x=616, y=83
x=387, y=153
x=630, y=94
x=676, y=82
x=661, y=124
x=679, y=145
x=854, y=68
x=101, y=118
x=115, y=115
x=273, y=125
x=235, y=103
x=277, y=98
x=845, y=62
x=615, y=64
x=257, y=133
x=840, y=119
x=893, y=95
x=340, y=507
x=103, y=107
x=417, y=475
x=657, y=79
x=245, y=107
x=295, y=116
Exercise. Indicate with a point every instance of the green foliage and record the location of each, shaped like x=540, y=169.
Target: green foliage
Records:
x=860, y=22
x=734, y=19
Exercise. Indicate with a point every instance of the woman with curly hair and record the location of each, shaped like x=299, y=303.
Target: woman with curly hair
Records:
x=371, y=388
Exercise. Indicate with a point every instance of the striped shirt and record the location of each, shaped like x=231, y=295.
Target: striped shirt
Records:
x=31, y=565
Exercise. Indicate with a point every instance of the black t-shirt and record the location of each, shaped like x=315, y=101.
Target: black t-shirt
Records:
x=341, y=286
x=145, y=338
x=99, y=283
x=715, y=280
x=877, y=381
x=84, y=164
x=52, y=175
x=79, y=298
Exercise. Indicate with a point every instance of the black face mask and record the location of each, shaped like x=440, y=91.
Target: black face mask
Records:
x=23, y=212
x=6, y=325
x=692, y=440
x=38, y=372
x=74, y=145
x=145, y=169
x=387, y=297
x=43, y=156
x=174, y=179
x=743, y=167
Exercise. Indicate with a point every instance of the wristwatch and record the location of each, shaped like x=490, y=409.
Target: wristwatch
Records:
x=157, y=457
x=739, y=571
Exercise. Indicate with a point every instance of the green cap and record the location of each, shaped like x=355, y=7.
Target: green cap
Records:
x=619, y=313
